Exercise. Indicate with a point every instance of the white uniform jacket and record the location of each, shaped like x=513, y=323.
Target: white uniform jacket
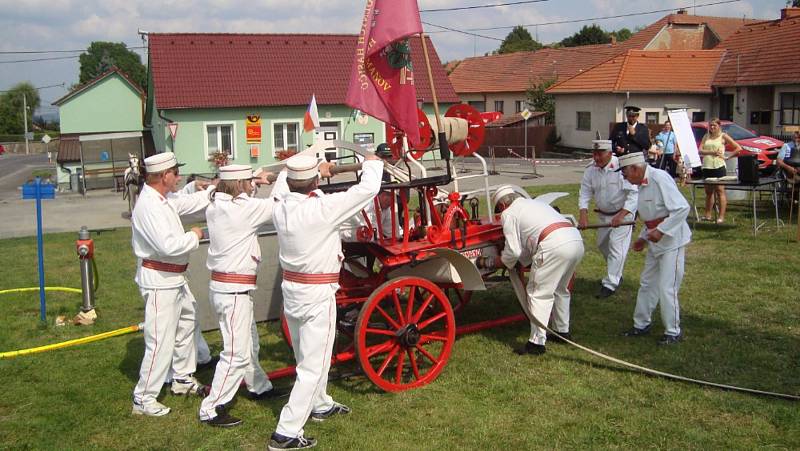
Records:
x=308, y=232
x=158, y=233
x=659, y=197
x=523, y=221
x=611, y=192
x=233, y=225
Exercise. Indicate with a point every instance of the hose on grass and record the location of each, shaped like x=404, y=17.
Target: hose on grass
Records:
x=77, y=341
x=519, y=289
x=21, y=290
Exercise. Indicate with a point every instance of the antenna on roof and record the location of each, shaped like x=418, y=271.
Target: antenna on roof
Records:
x=143, y=34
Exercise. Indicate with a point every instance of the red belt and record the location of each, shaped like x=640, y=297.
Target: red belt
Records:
x=166, y=267
x=225, y=277
x=607, y=213
x=311, y=279
x=652, y=224
x=551, y=228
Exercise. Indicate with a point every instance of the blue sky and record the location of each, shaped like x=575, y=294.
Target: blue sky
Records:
x=36, y=25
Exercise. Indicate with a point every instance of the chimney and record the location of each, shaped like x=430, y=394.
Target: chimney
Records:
x=682, y=11
x=790, y=13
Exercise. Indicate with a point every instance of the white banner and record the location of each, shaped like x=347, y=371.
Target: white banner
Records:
x=683, y=134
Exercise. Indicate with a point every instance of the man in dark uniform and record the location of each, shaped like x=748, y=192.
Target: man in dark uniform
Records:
x=630, y=136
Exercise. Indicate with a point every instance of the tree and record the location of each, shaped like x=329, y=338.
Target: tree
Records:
x=793, y=3
x=539, y=100
x=518, y=40
x=11, y=107
x=591, y=34
x=102, y=56
x=623, y=34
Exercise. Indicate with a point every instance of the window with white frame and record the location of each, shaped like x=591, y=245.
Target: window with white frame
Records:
x=584, y=120
x=220, y=138
x=285, y=136
x=519, y=105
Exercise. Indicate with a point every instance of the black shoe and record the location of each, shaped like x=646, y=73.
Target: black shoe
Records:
x=223, y=419
x=337, y=409
x=280, y=442
x=531, y=348
x=604, y=292
x=636, y=332
x=210, y=364
x=553, y=338
x=670, y=339
x=269, y=394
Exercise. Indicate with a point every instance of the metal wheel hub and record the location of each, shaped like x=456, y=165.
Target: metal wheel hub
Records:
x=408, y=335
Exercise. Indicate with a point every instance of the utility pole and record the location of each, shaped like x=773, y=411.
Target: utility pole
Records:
x=25, y=120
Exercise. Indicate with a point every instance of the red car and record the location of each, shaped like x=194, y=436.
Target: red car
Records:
x=763, y=147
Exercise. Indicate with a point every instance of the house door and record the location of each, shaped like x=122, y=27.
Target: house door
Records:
x=327, y=131
x=726, y=107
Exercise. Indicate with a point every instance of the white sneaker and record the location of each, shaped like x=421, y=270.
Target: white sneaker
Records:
x=185, y=386
x=153, y=409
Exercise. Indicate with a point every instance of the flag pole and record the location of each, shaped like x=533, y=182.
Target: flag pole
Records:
x=443, y=149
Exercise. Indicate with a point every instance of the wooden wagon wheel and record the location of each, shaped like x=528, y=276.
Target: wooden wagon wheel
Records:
x=405, y=333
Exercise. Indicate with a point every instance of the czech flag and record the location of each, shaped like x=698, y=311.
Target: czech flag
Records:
x=311, y=120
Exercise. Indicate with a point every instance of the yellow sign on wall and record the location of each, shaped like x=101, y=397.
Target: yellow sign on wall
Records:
x=253, y=128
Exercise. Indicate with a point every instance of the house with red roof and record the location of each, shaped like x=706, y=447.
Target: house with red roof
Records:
x=101, y=123
x=758, y=81
x=500, y=82
x=654, y=80
x=246, y=94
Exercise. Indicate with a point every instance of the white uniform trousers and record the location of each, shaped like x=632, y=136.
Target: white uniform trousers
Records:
x=613, y=243
x=238, y=360
x=169, y=325
x=203, y=351
x=551, y=270
x=312, y=327
x=660, y=281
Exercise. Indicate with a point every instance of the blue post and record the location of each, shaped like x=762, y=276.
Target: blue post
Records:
x=42, y=304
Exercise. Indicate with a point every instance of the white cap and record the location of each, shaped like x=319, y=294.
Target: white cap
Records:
x=504, y=190
x=601, y=144
x=630, y=159
x=236, y=172
x=302, y=167
x=160, y=162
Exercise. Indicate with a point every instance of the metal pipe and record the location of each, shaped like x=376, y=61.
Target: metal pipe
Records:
x=87, y=279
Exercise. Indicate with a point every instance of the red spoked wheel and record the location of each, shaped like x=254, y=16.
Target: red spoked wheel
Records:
x=475, y=133
x=394, y=138
x=405, y=334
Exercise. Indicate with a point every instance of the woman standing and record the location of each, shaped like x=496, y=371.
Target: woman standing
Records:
x=712, y=150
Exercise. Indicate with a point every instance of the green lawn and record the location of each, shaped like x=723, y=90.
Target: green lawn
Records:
x=740, y=318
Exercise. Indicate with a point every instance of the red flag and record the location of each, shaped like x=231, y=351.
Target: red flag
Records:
x=382, y=77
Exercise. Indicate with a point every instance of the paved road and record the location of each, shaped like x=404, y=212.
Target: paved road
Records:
x=101, y=209
x=16, y=169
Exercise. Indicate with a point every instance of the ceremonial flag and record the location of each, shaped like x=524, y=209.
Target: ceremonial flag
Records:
x=382, y=77
x=311, y=120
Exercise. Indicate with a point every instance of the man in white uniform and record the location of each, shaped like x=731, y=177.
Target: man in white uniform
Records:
x=162, y=248
x=539, y=236
x=664, y=210
x=308, y=222
x=615, y=202
x=234, y=254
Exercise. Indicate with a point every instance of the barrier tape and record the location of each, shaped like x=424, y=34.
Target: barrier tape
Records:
x=583, y=160
x=522, y=296
x=77, y=341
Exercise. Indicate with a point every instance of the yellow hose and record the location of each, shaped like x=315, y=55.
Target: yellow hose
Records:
x=20, y=290
x=77, y=341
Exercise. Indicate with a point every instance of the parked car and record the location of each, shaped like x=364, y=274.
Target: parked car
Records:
x=763, y=147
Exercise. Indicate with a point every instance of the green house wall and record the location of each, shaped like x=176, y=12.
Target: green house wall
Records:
x=110, y=105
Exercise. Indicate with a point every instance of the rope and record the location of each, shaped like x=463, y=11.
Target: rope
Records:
x=77, y=341
x=516, y=283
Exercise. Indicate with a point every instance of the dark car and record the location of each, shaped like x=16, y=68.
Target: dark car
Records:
x=763, y=147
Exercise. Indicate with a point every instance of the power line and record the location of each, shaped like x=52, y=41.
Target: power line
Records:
x=20, y=52
x=461, y=8
x=459, y=31
x=641, y=13
x=60, y=85
x=41, y=59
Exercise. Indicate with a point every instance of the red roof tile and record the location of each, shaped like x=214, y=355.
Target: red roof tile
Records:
x=204, y=70
x=516, y=72
x=761, y=53
x=688, y=71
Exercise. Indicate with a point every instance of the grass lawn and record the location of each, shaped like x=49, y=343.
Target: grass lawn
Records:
x=739, y=311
